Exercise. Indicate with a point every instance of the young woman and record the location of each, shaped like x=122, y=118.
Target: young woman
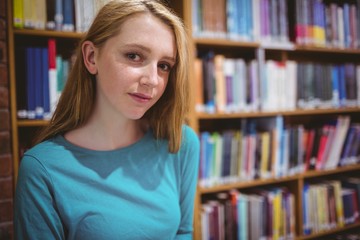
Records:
x=116, y=160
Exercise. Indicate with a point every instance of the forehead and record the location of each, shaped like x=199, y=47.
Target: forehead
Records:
x=148, y=30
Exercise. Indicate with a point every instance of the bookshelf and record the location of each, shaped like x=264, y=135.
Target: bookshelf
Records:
x=205, y=39
x=24, y=129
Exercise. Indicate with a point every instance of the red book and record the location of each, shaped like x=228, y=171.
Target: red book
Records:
x=52, y=53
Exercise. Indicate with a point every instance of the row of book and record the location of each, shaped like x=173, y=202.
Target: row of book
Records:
x=264, y=148
x=245, y=20
x=331, y=204
x=327, y=24
x=228, y=85
x=45, y=75
x=269, y=213
x=60, y=15
x=276, y=22
x=263, y=214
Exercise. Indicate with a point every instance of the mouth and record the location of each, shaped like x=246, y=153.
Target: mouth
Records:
x=139, y=97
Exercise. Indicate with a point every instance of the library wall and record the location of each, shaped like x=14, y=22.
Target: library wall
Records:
x=6, y=165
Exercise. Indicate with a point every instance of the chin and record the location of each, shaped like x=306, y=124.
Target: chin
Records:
x=135, y=115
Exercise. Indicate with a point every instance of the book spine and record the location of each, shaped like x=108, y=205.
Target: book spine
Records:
x=18, y=13
x=68, y=6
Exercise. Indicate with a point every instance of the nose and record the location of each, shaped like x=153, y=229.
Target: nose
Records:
x=150, y=75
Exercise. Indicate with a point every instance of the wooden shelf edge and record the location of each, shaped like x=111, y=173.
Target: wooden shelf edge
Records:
x=245, y=184
x=203, y=116
x=263, y=182
x=47, y=33
x=330, y=232
x=225, y=42
x=254, y=44
x=32, y=123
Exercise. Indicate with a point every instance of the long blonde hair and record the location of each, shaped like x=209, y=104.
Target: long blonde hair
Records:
x=77, y=99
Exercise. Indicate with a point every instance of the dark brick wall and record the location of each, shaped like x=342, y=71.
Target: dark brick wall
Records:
x=6, y=163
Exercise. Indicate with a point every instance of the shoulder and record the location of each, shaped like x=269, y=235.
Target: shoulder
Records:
x=45, y=152
x=48, y=147
x=189, y=138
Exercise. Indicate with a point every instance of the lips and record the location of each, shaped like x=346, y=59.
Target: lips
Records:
x=139, y=97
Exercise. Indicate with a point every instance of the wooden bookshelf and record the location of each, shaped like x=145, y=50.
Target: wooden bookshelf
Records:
x=203, y=121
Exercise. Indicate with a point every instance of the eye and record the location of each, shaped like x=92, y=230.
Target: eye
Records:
x=165, y=67
x=133, y=56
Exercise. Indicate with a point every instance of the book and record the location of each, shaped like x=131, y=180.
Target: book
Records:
x=50, y=14
x=199, y=88
x=342, y=126
x=68, y=13
x=52, y=74
x=38, y=84
x=18, y=14
x=45, y=82
x=29, y=13
x=30, y=82
x=59, y=14
x=40, y=13
x=220, y=93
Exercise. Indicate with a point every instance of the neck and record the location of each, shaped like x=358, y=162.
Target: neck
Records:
x=107, y=134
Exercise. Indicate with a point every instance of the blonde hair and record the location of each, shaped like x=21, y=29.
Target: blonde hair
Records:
x=167, y=116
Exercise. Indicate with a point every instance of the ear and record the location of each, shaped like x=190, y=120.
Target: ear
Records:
x=88, y=52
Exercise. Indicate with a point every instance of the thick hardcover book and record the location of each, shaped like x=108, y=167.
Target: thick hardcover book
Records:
x=18, y=13
x=68, y=10
x=30, y=82
x=38, y=82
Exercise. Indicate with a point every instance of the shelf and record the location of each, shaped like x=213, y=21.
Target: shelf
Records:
x=203, y=116
x=263, y=182
x=32, y=123
x=314, y=173
x=329, y=232
x=327, y=49
x=224, y=43
x=246, y=184
x=47, y=33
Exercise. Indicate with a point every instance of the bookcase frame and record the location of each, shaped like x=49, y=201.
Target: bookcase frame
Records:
x=183, y=8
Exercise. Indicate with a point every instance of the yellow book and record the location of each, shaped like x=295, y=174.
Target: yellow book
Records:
x=18, y=13
x=339, y=203
x=40, y=14
x=276, y=215
x=28, y=7
x=265, y=155
x=319, y=36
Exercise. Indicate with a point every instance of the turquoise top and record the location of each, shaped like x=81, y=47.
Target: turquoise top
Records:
x=138, y=192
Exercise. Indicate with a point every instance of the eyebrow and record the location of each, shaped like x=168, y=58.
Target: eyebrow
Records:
x=148, y=50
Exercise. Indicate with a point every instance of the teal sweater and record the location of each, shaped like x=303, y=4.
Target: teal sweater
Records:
x=138, y=192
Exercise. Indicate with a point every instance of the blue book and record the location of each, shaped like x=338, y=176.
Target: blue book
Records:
x=342, y=86
x=59, y=15
x=30, y=82
x=242, y=210
x=226, y=163
x=204, y=138
x=45, y=83
x=249, y=20
x=232, y=16
x=38, y=85
x=335, y=86
x=347, y=34
x=68, y=12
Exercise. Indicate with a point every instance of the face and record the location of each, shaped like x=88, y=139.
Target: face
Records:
x=132, y=68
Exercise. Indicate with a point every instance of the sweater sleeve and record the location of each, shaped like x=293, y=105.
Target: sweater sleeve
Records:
x=189, y=173
x=35, y=214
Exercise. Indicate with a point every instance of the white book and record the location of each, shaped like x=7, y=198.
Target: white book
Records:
x=341, y=130
x=290, y=85
x=53, y=89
